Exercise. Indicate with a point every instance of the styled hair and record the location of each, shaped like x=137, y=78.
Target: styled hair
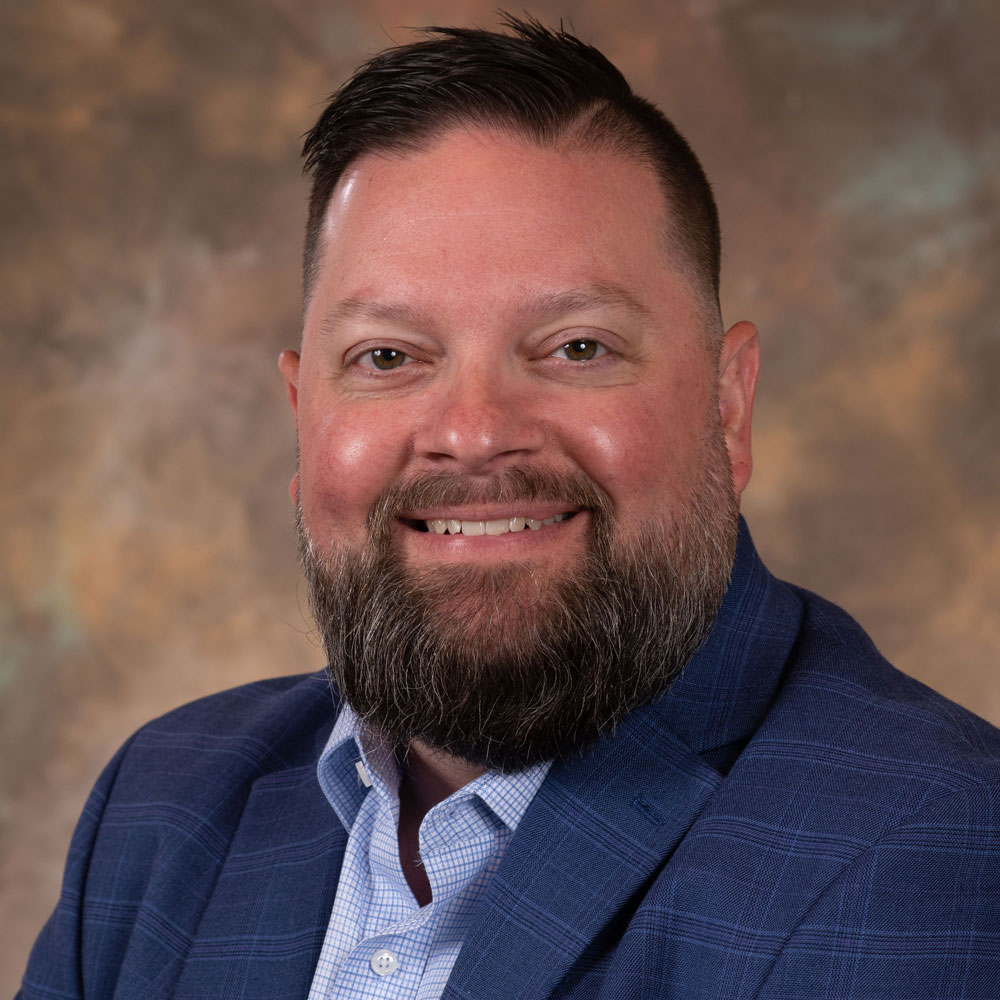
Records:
x=536, y=83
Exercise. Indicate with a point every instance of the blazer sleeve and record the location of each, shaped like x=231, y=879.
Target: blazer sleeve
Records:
x=55, y=968
x=917, y=915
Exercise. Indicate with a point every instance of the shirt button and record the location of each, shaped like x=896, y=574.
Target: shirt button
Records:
x=384, y=963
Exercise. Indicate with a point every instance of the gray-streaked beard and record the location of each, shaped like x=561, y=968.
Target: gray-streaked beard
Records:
x=505, y=667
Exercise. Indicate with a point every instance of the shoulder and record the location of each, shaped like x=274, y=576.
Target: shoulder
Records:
x=198, y=764
x=890, y=793
x=873, y=796
x=840, y=695
x=161, y=822
x=851, y=751
x=259, y=706
x=257, y=727
x=179, y=789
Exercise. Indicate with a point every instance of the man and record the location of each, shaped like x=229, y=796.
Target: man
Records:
x=580, y=743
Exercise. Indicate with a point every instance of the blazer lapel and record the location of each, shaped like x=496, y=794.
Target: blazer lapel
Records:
x=595, y=835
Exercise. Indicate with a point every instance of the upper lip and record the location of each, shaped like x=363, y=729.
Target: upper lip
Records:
x=486, y=512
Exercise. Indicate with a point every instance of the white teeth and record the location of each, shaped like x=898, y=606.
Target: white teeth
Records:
x=500, y=526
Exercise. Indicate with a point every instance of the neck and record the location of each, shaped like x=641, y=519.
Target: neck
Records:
x=428, y=777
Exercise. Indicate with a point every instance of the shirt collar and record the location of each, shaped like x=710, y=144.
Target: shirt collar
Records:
x=509, y=795
x=506, y=795
x=338, y=773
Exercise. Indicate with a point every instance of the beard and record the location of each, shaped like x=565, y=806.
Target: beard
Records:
x=503, y=666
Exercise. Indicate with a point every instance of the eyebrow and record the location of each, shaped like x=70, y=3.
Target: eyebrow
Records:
x=397, y=313
x=606, y=294
x=544, y=308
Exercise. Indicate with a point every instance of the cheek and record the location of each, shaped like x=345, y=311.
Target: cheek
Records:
x=346, y=459
x=642, y=455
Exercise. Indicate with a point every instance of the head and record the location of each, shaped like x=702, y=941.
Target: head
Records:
x=522, y=433
x=546, y=87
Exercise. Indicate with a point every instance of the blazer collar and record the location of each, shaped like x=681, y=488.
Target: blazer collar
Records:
x=724, y=692
x=602, y=825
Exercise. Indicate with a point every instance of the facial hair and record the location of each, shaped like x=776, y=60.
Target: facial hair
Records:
x=504, y=667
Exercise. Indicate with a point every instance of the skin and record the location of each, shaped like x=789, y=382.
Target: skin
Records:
x=477, y=259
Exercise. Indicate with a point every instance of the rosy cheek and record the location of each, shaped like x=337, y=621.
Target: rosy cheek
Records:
x=351, y=451
x=605, y=448
x=620, y=448
x=346, y=461
x=638, y=454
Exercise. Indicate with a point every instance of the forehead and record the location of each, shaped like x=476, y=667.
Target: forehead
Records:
x=481, y=217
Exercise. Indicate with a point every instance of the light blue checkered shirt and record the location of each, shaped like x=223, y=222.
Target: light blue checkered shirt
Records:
x=379, y=942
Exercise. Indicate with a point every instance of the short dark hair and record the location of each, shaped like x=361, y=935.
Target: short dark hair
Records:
x=537, y=83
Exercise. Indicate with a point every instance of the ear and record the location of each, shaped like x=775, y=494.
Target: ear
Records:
x=288, y=365
x=739, y=363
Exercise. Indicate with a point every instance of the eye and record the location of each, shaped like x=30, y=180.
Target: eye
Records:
x=581, y=350
x=383, y=359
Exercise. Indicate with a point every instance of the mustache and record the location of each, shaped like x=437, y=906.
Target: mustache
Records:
x=517, y=483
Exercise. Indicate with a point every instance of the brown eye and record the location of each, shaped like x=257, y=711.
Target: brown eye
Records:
x=385, y=358
x=581, y=350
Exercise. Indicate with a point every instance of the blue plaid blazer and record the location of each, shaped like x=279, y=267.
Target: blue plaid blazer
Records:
x=793, y=819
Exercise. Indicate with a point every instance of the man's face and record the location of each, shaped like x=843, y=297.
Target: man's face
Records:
x=486, y=309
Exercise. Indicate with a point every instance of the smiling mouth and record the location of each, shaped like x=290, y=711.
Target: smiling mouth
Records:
x=495, y=526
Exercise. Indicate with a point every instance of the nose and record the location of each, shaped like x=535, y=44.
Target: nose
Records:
x=478, y=423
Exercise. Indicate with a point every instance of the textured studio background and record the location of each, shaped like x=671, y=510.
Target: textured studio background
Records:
x=151, y=209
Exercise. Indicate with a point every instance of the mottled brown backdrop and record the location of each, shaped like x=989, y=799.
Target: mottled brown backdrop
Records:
x=150, y=215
